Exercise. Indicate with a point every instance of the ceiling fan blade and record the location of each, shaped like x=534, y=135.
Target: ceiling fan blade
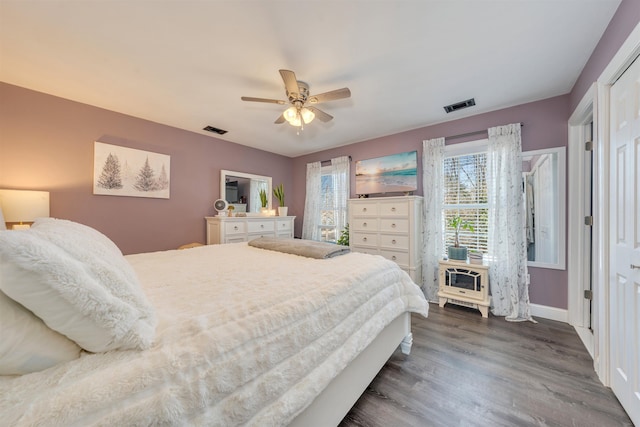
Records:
x=280, y=119
x=272, y=101
x=290, y=82
x=321, y=115
x=330, y=96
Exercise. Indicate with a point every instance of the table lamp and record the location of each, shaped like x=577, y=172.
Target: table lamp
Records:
x=23, y=206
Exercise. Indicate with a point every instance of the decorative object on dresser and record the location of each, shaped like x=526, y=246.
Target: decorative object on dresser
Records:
x=464, y=284
x=279, y=193
x=221, y=207
x=23, y=206
x=391, y=227
x=263, y=201
x=456, y=251
x=224, y=229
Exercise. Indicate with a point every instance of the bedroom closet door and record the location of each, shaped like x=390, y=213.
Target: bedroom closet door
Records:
x=624, y=277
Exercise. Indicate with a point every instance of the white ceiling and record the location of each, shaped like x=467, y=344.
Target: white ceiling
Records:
x=187, y=63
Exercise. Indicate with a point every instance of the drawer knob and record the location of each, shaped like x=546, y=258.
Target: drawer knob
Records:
x=393, y=209
x=393, y=257
x=261, y=225
x=235, y=227
x=393, y=225
x=364, y=209
x=393, y=241
x=364, y=239
x=364, y=224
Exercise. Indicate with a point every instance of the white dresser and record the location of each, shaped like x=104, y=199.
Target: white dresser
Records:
x=391, y=227
x=222, y=229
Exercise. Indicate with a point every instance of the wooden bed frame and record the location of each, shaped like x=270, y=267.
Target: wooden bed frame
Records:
x=335, y=401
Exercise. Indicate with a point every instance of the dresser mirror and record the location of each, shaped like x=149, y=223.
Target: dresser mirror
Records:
x=544, y=188
x=242, y=190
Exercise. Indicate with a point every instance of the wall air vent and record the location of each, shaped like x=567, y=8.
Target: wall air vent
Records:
x=214, y=130
x=460, y=105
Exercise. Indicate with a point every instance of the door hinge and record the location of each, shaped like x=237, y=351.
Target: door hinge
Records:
x=588, y=294
x=588, y=220
x=588, y=146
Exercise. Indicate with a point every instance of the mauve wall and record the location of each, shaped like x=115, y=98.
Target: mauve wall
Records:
x=545, y=126
x=46, y=143
x=623, y=22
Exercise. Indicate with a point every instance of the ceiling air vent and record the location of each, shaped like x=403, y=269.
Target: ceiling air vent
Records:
x=214, y=130
x=460, y=105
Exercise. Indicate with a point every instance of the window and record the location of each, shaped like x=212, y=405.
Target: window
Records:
x=465, y=194
x=325, y=206
x=328, y=207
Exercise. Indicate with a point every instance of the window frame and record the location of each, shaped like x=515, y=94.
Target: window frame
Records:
x=456, y=150
x=325, y=230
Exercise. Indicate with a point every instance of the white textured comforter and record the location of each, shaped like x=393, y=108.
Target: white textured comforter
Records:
x=245, y=336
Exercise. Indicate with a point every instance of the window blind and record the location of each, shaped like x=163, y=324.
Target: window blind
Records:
x=465, y=194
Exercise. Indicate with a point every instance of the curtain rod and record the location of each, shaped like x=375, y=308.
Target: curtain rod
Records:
x=325, y=161
x=462, y=135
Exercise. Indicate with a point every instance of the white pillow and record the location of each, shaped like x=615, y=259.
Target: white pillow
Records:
x=27, y=344
x=78, y=288
x=86, y=244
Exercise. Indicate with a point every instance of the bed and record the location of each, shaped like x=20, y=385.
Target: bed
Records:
x=240, y=336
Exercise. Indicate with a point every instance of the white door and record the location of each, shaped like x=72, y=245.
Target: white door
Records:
x=624, y=278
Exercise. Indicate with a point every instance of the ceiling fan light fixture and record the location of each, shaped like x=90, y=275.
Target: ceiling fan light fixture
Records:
x=307, y=115
x=293, y=115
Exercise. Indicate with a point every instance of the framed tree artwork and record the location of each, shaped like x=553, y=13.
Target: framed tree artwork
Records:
x=122, y=171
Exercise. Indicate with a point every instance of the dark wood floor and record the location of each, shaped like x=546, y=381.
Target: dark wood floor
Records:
x=464, y=370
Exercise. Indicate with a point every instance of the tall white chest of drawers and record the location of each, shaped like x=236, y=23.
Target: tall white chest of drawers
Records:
x=391, y=227
x=222, y=229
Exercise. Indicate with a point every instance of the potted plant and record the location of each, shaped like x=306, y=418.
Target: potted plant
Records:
x=278, y=191
x=263, y=201
x=456, y=251
x=344, y=236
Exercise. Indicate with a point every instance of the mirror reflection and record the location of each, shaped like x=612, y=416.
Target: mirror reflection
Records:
x=242, y=190
x=543, y=175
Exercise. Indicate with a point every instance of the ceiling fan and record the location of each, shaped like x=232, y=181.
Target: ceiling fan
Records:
x=302, y=110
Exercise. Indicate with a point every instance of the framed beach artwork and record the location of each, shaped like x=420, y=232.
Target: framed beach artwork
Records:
x=396, y=173
x=122, y=171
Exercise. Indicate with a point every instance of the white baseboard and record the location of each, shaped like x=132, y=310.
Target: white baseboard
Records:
x=551, y=313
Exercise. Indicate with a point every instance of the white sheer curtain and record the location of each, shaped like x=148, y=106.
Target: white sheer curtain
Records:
x=341, y=189
x=507, y=246
x=432, y=187
x=312, y=203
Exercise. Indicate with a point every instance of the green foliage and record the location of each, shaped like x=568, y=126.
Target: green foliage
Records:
x=278, y=191
x=458, y=223
x=263, y=198
x=344, y=237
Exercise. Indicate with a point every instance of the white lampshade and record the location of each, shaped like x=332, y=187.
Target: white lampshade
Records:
x=291, y=114
x=307, y=115
x=24, y=205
